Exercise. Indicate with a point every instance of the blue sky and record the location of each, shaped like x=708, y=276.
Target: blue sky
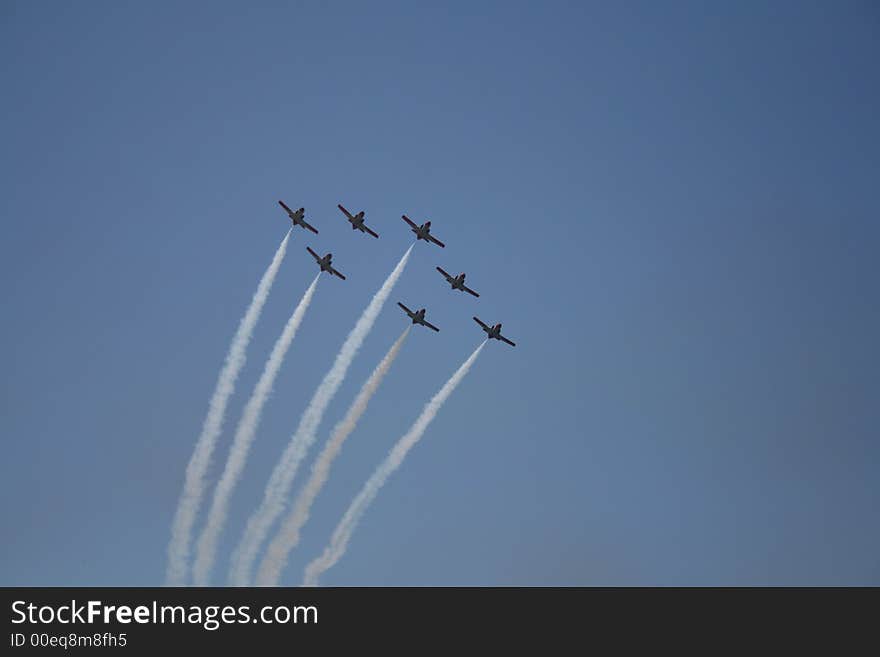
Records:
x=673, y=210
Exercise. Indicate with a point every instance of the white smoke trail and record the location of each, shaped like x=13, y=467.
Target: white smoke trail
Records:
x=278, y=487
x=288, y=536
x=194, y=481
x=342, y=534
x=206, y=547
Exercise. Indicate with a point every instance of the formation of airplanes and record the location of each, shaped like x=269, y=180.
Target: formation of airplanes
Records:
x=422, y=232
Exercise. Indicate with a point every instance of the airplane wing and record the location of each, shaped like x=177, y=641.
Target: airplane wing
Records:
x=436, y=241
x=510, y=342
x=314, y=255
x=370, y=232
x=281, y=203
x=406, y=310
x=480, y=323
x=469, y=290
x=309, y=226
x=445, y=273
x=336, y=273
x=431, y=326
x=345, y=212
x=406, y=219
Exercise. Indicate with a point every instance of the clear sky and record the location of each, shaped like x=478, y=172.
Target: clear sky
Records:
x=672, y=207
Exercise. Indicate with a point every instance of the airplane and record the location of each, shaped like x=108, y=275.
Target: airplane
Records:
x=457, y=282
x=325, y=263
x=296, y=218
x=357, y=221
x=423, y=232
x=494, y=332
x=418, y=317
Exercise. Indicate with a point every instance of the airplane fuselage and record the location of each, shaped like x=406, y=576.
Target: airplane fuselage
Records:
x=457, y=282
x=296, y=218
x=422, y=231
x=494, y=332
